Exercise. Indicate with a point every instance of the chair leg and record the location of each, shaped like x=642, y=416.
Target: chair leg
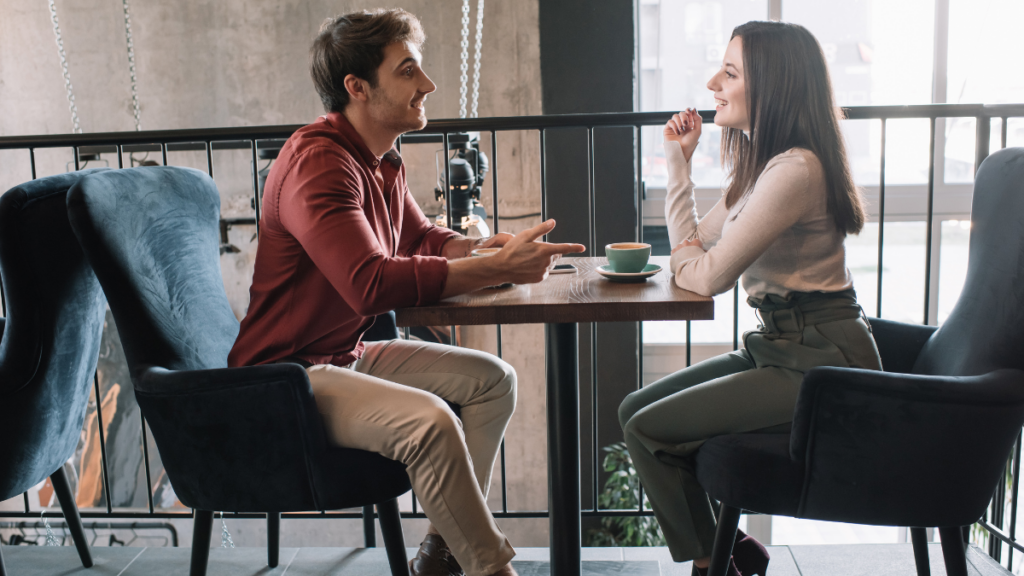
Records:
x=202, y=528
x=920, y=540
x=369, y=528
x=273, y=538
x=725, y=537
x=394, y=540
x=953, y=550
x=62, y=487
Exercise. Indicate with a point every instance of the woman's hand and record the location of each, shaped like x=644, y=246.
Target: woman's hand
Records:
x=691, y=242
x=684, y=128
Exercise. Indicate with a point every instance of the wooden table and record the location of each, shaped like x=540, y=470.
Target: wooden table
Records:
x=560, y=302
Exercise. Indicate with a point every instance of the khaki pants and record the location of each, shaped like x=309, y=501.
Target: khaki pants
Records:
x=389, y=402
x=748, y=390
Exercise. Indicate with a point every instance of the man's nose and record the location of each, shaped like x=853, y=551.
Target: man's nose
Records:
x=428, y=86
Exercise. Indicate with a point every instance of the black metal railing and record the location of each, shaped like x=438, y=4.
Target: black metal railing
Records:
x=999, y=527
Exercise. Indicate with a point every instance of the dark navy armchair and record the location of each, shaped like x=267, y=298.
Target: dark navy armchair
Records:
x=51, y=340
x=233, y=439
x=922, y=444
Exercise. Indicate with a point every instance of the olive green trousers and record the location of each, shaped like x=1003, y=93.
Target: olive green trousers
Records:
x=752, y=389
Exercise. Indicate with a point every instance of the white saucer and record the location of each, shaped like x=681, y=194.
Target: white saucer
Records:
x=648, y=271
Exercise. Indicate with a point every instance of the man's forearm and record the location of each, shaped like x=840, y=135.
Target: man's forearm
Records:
x=469, y=274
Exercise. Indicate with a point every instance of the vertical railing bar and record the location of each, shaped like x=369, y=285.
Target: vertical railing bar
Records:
x=256, y=186
x=494, y=182
x=32, y=158
x=103, y=440
x=1013, y=494
x=494, y=216
x=640, y=497
x=145, y=456
x=450, y=216
x=450, y=219
x=638, y=138
x=120, y=156
x=592, y=202
x=398, y=145
x=414, y=507
x=163, y=152
x=24, y=496
x=688, y=347
x=591, y=191
x=1002, y=131
x=406, y=330
x=928, y=224
x=736, y=317
x=209, y=158
x=881, y=223
x=543, y=179
x=504, y=484
x=77, y=158
x=593, y=408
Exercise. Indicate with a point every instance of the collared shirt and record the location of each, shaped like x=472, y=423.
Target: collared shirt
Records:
x=341, y=240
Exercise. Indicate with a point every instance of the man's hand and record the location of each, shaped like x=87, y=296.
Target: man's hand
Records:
x=496, y=241
x=525, y=261
x=522, y=260
x=684, y=128
x=462, y=247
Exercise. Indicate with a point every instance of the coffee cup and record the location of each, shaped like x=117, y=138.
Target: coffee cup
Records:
x=628, y=257
x=485, y=251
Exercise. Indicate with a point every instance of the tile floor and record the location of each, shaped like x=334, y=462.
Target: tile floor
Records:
x=818, y=560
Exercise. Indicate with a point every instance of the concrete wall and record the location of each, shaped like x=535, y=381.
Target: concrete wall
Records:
x=208, y=63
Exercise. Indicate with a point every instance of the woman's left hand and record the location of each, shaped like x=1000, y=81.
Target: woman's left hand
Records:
x=691, y=242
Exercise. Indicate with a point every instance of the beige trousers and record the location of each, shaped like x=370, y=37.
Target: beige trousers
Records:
x=389, y=402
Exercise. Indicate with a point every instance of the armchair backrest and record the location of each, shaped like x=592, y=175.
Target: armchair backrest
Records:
x=985, y=331
x=51, y=337
x=152, y=236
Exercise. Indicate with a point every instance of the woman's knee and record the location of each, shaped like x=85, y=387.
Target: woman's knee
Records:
x=630, y=405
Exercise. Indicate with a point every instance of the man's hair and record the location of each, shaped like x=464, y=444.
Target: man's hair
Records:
x=354, y=44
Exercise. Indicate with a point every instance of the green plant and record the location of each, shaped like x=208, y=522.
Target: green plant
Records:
x=621, y=492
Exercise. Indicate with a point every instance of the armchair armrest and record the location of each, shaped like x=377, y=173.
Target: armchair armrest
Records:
x=236, y=439
x=886, y=443
x=899, y=343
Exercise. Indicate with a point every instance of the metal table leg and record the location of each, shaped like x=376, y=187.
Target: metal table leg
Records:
x=563, y=449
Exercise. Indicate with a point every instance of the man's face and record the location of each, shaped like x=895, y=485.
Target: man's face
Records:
x=397, y=102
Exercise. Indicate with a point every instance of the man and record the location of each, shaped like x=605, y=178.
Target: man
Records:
x=343, y=240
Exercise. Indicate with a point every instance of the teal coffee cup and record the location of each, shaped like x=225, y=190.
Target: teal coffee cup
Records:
x=628, y=257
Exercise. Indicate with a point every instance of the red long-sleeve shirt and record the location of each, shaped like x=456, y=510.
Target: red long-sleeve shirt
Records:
x=341, y=240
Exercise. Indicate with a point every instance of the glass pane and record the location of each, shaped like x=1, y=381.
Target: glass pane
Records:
x=903, y=272
x=681, y=47
x=952, y=264
x=961, y=136
x=879, y=52
x=862, y=261
x=984, y=41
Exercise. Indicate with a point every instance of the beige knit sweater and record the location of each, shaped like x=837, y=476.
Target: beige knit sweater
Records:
x=779, y=238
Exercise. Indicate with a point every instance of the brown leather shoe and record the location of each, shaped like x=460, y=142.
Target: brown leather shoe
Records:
x=434, y=559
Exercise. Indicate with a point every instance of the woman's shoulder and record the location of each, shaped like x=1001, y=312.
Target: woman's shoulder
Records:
x=798, y=162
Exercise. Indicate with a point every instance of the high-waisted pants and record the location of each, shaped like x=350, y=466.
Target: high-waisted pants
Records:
x=748, y=390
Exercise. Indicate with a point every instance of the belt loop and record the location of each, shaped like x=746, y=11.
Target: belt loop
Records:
x=798, y=318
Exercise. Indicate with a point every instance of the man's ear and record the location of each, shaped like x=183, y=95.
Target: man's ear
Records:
x=358, y=89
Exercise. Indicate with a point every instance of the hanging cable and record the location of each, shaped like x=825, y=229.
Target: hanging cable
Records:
x=464, y=68
x=64, y=68
x=476, y=63
x=131, y=65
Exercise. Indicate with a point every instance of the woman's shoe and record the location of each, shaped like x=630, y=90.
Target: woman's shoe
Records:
x=750, y=556
x=732, y=571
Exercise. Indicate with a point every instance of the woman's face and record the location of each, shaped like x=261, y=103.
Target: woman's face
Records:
x=729, y=89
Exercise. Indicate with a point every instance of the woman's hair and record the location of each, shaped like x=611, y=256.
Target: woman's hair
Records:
x=354, y=44
x=790, y=105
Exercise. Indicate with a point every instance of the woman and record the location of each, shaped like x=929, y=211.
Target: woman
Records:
x=779, y=227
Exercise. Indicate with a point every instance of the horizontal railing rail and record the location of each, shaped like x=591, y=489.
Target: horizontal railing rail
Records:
x=449, y=132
